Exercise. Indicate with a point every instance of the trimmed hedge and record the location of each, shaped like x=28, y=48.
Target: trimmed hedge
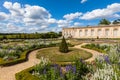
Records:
x=26, y=75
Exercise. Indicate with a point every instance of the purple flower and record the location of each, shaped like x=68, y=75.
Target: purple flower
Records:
x=44, y=71
x=60, y=70
x=74, y=69
x=56, y=66
x=68, y=68
x=106, y=58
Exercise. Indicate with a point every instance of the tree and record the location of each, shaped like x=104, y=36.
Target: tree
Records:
x=63, y=46
x=4, y=37
x=116, y=21
x=60, y=34
x=104, y=22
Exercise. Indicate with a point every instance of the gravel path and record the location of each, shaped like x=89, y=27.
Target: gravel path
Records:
x=8, y=73
x=93, y=52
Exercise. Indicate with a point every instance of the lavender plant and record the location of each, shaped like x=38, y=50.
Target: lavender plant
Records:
x=107, y=66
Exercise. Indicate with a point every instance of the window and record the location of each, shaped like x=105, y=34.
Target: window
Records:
x=86, y=32
x=80, y=33
x=115, y=32
x=92, y=32
x=99, y=32
x=107, y=32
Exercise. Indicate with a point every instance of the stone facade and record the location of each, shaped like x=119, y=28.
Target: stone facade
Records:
x=111, y=31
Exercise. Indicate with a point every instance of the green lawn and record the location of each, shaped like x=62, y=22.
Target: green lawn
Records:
x=55, y=56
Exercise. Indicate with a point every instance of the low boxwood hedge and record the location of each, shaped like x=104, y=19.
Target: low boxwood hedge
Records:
x=26, y=75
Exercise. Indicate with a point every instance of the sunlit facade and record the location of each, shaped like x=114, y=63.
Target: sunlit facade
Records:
x=111, y=31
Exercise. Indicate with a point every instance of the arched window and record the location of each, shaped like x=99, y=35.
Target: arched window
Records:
x=99, y=32
x=107, y=32
x=92, y=32
x=80, y=32
x=86, y=32
x=115, y=32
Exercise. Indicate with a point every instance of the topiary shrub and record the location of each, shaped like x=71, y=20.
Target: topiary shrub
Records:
x=63, y=46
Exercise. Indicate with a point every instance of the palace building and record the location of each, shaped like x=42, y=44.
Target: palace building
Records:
x=109, y=31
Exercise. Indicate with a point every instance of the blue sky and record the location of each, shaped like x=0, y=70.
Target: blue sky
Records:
x=52, y=15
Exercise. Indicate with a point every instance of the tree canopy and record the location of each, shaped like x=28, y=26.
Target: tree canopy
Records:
x=117, y=21
x=30, y=35
x=104, y=22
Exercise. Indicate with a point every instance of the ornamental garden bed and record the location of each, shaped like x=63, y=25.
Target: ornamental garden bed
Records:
x=13, y=53
x=104, y=67
x=103, y=48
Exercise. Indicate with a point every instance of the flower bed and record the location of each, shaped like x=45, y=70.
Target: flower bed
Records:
x=14, y=53
x=105, y=67
x=97, y=47
x=47, y=71
x=23, y=56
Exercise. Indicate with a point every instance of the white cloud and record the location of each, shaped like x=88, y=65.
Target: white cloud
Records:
x=83, y=1
x=72, y=16
x=30, y=17
x=36, y=12
x=7, y=5
x=37, y=16
x=77, y=24
x=108, y=12
x=63, y=23
x=3, y=16
x=116, y=15
x=69, y=20
x=52, y=20
x=12, y=28
x=14, y=8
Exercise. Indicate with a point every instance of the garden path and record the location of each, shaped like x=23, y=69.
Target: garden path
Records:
x=8, y=73
x=93, y=52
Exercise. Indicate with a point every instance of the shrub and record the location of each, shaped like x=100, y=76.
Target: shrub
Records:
x=63, y=46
